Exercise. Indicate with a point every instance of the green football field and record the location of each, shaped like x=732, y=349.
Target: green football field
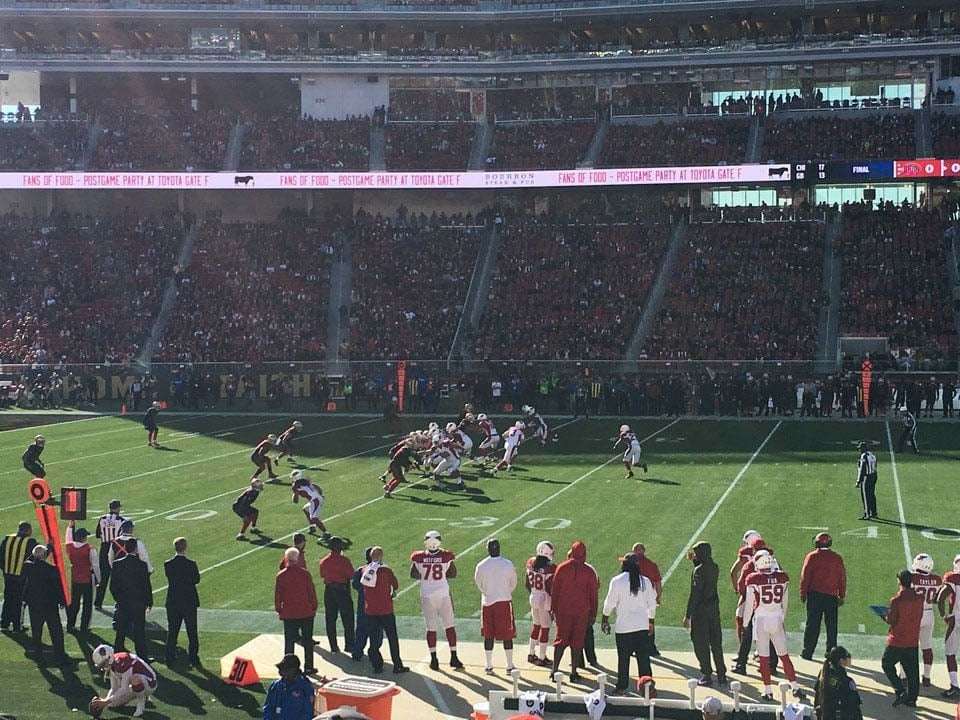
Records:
x=709, y=480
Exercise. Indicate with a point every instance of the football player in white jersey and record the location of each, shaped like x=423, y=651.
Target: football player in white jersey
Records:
x=950, y=612
x=433, y=567
x=491, y=439
x=927, y=585
x=449, y=453
x=511, y=441
x=631, y=453
x=766, y=598
x=540, y=569
x=303, y=488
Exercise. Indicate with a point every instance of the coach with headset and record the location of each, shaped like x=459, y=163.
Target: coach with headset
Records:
x=823, y=585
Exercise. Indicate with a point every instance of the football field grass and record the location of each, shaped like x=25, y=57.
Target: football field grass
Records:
x=708, y=480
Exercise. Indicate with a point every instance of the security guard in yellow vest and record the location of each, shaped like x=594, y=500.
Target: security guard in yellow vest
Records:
x=14, y=551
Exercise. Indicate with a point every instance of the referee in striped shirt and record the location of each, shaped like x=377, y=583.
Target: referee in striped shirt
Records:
x=14, y=550
x=108, y=529
x=867, y=481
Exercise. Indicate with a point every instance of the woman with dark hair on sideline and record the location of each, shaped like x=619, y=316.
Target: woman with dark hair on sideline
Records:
x=835, y=693
x=634, y=598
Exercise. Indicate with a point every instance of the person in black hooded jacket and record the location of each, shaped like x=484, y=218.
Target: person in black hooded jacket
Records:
x=835, y=693
x=703, y=615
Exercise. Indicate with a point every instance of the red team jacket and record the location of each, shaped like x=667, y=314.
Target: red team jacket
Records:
x=904, y=616
x=575, y=587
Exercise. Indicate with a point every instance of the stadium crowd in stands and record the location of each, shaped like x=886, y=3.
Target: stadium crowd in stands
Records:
x=133, y=139
x=894, y=277
x=410, y=279
x=286, y=142
x=887, y=135
x=566, y=290
x=540, y=145
x=47, y=145
x=254, y=291
x=743, y=291
x=690, y=142
x=434, y=146
x=82, y=288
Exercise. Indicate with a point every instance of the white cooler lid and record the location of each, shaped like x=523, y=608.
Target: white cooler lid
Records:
x=359, y=686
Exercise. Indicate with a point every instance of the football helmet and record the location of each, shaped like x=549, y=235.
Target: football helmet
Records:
x=763, y=561
x=519, y=425
x=525, y=409
x=481, y=417
x=102, y=656
x=923, y=563
x=155, y=404
x=296, y=476
x=433, y=427
x=956, y=564
x=624, y=428
x=546, y=549
x=298, y=425
x=431, y=541
x=256, y=484
x=469, y=417
x=272, y=438
x=531, y=410
x=40, y=440
x=451, y=427
x=750, y=535
x=468, y=407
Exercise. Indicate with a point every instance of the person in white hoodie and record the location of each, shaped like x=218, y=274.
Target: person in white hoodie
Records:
x=634, y=599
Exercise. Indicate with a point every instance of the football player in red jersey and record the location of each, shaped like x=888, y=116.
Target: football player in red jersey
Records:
x=927, y=584
x=491, y=439
x=767, y=595
x=402, y=456
x=950, y=611
x=540, y=569
x=433, y=567
x=261, y=457
x=131, y=678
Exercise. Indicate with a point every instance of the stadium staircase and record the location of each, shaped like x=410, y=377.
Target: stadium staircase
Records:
x=828, y=319
x=338, y=305
x=922, y=135
x=378, y=148
x=93, y=137
x=651, y=307
x=482, y=139
x=231, y=160
x=755, y=140
x=953, y=271
x=477, y=294
x=169, y=297
x=596, y=143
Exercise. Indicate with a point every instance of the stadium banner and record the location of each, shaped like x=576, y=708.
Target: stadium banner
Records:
x=302, y=180
x=926, y=168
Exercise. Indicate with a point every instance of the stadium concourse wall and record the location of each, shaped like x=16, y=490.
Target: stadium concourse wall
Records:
x=311, y=386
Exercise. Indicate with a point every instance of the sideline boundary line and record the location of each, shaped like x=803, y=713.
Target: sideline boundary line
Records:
x=896, y=484
x=716, y=507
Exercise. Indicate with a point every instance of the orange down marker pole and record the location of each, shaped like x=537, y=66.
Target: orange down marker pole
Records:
x=39, y=492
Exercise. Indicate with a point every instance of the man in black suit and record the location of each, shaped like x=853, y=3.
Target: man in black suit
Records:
x=182, y=602
x=43, y=595
x=131, y=588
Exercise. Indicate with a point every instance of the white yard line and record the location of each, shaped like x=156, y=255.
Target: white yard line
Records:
x=896, y=485
x=136, y=427
x=243, y=487
x=716, y=507
x=303, y=529
x=139, y=446
x=197, y=462
x=540, y=504
x=432, y=688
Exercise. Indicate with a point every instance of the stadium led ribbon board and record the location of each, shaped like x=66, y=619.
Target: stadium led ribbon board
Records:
x=294, y=180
